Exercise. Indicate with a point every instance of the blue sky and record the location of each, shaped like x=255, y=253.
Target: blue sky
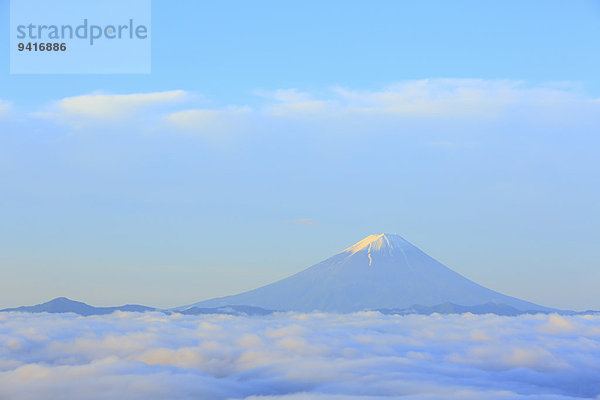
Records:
x=271, y=135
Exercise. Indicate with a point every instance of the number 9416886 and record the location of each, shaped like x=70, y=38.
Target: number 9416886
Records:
x=42, y=46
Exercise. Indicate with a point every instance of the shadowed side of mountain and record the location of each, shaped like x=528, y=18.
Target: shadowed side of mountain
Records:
x=64, y=305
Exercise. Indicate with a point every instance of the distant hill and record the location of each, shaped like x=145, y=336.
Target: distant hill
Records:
x=64, y=305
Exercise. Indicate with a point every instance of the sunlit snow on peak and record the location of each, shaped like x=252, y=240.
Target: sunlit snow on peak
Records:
x=379, y=242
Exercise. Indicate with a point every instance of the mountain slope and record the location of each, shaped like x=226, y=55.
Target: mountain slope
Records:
x=379, y=272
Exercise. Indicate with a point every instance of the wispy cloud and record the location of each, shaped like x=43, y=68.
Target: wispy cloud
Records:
x=102, y=108
x=285, y=95
x=208, y=120
x=305, y=221
x=5, y=107
x=299, y=356
x=443, y=144
x=115, y=106
x=290, y=102
x=427, y=97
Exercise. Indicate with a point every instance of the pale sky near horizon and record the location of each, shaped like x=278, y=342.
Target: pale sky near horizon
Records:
x=272, y=135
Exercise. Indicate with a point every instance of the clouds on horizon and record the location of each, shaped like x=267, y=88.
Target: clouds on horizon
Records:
x=449, y=99
x=299, y=356
x=426, y=98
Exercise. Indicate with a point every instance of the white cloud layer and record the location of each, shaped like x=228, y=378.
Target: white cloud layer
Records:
x=299, y=356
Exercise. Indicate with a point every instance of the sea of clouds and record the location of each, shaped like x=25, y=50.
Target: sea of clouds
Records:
x=151, y=356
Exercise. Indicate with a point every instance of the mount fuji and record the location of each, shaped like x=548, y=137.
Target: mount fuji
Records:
x=381, y=272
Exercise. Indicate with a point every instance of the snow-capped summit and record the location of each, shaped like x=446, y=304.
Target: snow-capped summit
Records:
x=379, y=272
x=384, y=242
x=378, y=242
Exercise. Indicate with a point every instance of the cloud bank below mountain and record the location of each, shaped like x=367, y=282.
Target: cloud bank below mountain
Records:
x=292, y=356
